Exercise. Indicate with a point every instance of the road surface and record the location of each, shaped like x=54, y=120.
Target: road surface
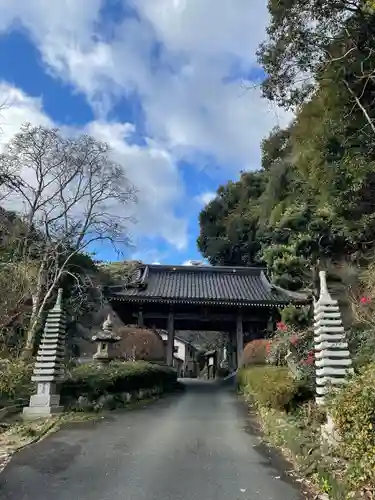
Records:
x=192, y=446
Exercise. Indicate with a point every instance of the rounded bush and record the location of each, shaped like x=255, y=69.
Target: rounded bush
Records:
x=269, y=386
x=146, y=344
x=255, y=352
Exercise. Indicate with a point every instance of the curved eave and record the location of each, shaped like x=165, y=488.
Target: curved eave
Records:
x=294, y=296
x=159, y=300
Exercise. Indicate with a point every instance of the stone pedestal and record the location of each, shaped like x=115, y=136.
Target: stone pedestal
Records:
x=49, y=368
x=44, y=403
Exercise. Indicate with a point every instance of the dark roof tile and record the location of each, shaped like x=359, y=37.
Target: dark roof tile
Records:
x=204, y=284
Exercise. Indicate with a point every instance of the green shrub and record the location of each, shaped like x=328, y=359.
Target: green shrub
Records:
x=91, y=381
x=353, y=412
x=269, y=386
x=296, y=317
x=15, y=381
x=255, y=352
x=361, y=341
x=300, y=342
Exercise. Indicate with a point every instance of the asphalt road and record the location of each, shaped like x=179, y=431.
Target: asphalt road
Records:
x=193, y=446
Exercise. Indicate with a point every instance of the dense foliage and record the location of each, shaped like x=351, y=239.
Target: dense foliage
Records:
x=15, y=381
x=354, y=415
x=311, y=206
x=312, y=201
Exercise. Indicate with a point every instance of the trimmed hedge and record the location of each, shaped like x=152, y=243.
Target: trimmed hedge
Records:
x=353, y=412
x=91, y=381
x=271, y=387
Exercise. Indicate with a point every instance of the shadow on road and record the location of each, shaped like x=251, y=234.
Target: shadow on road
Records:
x=202, y=385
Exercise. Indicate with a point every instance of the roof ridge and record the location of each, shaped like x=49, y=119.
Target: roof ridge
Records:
x=207, y=269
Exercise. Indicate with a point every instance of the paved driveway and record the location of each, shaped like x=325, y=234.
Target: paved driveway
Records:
x=192, y=446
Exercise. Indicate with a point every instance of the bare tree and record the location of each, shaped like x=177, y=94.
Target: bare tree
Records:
x=71, y=195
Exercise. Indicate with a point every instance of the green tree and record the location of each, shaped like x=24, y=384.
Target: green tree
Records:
x=228, y=224
x=298, y=43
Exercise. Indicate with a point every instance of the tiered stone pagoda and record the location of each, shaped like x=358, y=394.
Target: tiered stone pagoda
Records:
x=332, y=358
x=49, y=367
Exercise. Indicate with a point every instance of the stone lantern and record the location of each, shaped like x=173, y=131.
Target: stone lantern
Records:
x=105, y=341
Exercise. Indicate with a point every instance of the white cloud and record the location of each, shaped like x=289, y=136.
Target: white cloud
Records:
x=186, y=102
x=18, y=108
x=148, y=254
x=205, y=198
x=188, y=106
x=149, y=168
x=154, y=174
x=194, y=263
x=231, y=27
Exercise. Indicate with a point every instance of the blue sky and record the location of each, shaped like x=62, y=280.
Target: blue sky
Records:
x=162, y=81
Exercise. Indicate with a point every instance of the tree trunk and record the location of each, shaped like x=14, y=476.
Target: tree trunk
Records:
x=37, y=309
x=39, y=305
x=28, y=349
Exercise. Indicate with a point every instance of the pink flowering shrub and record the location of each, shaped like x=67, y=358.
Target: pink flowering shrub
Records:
x=300, y=343
x=365, y=300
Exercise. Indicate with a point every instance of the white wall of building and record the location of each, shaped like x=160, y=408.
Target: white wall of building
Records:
x=180, y=347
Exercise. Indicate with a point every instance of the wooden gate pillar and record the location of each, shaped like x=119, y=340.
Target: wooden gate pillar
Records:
x=141, y=322
x=239, y=339
x=170, y=341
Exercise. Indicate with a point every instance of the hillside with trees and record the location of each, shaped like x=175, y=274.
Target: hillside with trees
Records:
x=312, y=201
x=310, y=207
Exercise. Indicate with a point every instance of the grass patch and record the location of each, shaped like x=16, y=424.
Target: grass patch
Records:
x=21, y=434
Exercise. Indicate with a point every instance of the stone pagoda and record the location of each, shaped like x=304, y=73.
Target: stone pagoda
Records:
x=49, y=367
x=105, y=340
x=332, y=358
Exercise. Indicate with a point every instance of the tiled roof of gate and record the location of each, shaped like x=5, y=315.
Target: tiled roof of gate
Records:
x=203, y=285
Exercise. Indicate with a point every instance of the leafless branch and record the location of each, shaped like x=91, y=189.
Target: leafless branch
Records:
x=72, y=195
